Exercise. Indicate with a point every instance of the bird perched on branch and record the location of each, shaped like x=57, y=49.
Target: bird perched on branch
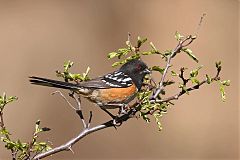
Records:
x=113, y=90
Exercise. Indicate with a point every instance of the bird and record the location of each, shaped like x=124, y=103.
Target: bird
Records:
x=110, y=91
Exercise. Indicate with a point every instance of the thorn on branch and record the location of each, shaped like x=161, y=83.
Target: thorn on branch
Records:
x=181, y=75
x=90, y=119
x=79, y=112
x=70, y=148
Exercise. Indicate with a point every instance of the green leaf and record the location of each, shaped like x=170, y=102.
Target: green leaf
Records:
x=223, y=93
x=147, y=53
x=157, y=119
x=153, y=46
x=184, y=88
x=37, y=127
x=5, y=100
x=194, y=80
x=11, y=99
x=134, y=56
x=9, y=144
x=209, y=80
x=67, y=76
x=112, y=55
x=157, y=68
x=123, y=52
x=167, y=52
x=174, y=73
x=128, y=43
x=145, y=117
x=120, y=52
x=4, y=132
x=20, y=146
x=194, y=73
x=178, y=36
x=222, y=89
x=116, y=64
x=140, y=41
x=67, y=65
x=226, y=83
x=4, y=97
x=75, y=77
x=190, y=54
x=85, y=75
x=218, y=64
x=41, y=147
x=168, y=82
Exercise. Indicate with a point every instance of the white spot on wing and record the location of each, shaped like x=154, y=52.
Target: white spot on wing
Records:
x=127, y=79
x=114, y=78
x=112, y=85
x=118, y=73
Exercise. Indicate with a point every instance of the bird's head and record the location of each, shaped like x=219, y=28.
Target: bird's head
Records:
x=136, y=69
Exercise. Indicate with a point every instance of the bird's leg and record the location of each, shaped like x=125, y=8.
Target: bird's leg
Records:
x=122, y=109
x=121, y=112
x=113, y=117
x=109, y=113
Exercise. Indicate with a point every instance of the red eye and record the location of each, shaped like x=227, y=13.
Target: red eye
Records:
x=139, y=67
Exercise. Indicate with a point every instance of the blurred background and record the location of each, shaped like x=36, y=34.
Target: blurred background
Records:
x=36, y=37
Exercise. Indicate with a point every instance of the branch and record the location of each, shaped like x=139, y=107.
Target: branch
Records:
x=2, y=125
x=182, y=43
x=67, y=146
x=111, y=123
x=134, y=108
x=176, y=96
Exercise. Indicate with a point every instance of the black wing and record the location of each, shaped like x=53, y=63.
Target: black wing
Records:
x=112, y=80
x=116, y=79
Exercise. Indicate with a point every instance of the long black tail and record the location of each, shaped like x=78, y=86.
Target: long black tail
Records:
x=53, y=83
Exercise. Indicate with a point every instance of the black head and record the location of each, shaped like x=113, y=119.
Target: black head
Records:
x=136, y=69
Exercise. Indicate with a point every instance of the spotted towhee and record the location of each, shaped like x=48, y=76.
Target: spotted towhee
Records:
x=113, y=90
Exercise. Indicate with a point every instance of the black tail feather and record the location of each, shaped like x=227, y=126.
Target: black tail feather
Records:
x=53, y=83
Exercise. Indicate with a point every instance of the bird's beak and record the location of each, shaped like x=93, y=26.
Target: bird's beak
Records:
x=147, y=71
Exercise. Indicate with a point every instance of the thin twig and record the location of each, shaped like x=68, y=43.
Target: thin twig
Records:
x=2, y=125
x=77, y=99
x=79, y=111
x=182, y=43
x=200, y=23
x=59, y=92
x=181, y=75
x=86, y=131
x=70, y=148
x=176, y=96
x=135, y=107
x=80, y=114
x=70, y=143
x=90, y=119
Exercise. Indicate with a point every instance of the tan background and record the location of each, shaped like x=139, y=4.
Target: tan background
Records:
x=36, y=37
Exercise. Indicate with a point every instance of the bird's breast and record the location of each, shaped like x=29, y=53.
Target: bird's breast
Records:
x=113, y=95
